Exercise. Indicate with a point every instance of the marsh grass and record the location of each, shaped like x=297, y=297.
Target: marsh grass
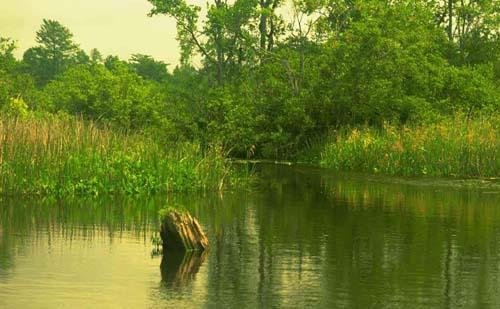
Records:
x=454, y=146
x=68, y=156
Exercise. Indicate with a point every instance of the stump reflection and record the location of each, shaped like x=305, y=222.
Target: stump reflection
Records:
x=179, y=268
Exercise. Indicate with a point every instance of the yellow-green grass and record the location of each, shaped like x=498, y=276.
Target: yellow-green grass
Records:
x=69, y=156
x=454, y=146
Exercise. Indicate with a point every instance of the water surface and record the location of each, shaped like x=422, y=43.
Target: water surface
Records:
x=303, y=237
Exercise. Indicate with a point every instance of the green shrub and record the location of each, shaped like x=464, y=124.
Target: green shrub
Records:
x=15, y=107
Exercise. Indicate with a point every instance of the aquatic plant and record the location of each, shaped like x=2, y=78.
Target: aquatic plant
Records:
x=455, y=146
x=67, y=156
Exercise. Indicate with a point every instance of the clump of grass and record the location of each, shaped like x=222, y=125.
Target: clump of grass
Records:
x=68, y=156
x=454, y=146
x=168, y=209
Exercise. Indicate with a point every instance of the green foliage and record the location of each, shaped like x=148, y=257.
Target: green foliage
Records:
x=386, y=65
x=147, y=67
x=268, y=86
x=7, y=60
x=455, y=146
x=54, y=53
x=15, y=107
x=186, y=17
x=65, y=156
x=359, y=62
x=472, y=89
x=17, y=85
x=168, y=209
x=223, y=40
x=472, y=29
x=13, y=82
x=229, y=120
x=96, y=56
x=119, y=96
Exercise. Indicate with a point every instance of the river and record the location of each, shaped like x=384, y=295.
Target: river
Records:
x=301, y=237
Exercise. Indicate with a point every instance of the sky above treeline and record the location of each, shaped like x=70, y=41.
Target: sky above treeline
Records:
x=115, y=27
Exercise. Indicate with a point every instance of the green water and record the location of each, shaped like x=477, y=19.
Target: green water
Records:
x=303, y=237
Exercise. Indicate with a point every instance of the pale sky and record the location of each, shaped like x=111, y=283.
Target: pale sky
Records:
x=115, y=27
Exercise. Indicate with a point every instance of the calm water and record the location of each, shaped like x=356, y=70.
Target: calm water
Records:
x=303, y=237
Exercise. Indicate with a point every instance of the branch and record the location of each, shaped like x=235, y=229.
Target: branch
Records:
x=195, y=40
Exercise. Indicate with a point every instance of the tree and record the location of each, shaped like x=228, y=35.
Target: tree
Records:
x=149, y=68
x=96, y=56
x=472, y=27
x=7, y=60
x=386, y=62
x=225, y=39
x=15, y=86
x=81, y=57
x=54, y=53
x=119, y=96
x=268, y=23
x=113, y=62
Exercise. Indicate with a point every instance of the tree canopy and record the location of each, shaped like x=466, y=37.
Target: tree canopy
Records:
x=265, y=77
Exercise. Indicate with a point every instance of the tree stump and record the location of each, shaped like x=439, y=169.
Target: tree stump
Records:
x=179, y=230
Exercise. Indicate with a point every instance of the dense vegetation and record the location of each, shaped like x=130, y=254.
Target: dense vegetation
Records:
x=267, y=78
x=449, y=147
x=60, y=155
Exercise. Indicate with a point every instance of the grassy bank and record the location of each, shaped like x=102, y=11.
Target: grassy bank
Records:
x=67, y=156
x=454, y=146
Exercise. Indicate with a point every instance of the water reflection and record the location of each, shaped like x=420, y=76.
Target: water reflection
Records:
x=178, y=269
x=303, y=237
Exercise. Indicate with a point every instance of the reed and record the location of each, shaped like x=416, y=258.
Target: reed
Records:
x=68, y=156
x=454, y=146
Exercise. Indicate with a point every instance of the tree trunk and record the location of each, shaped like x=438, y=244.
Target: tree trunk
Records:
x=263, y=24
x=179, y=230
x=219, y=47
x=450, y=20
x=272, y=26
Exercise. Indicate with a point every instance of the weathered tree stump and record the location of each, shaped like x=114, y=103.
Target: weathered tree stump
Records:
x=179, y=230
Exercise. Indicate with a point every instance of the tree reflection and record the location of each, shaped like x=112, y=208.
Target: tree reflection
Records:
x=302, y=238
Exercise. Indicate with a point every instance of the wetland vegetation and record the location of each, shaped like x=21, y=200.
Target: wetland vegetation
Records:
x=93, y=147
x=450, y=147
x=66, y=156
x=399, y=87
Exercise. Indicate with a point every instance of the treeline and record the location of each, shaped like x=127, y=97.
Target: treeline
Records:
x=264, y=77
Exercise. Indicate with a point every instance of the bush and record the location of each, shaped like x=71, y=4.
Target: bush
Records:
x=120, y=97
x=15, y=107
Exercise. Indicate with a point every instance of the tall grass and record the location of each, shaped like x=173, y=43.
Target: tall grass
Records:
x=68, y=156
x=454, y=146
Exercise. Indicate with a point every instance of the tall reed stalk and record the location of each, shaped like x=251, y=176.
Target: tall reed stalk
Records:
x=454, y=146
x=68, y=156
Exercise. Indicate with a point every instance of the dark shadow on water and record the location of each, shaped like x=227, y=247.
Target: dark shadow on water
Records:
x=178, y=269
